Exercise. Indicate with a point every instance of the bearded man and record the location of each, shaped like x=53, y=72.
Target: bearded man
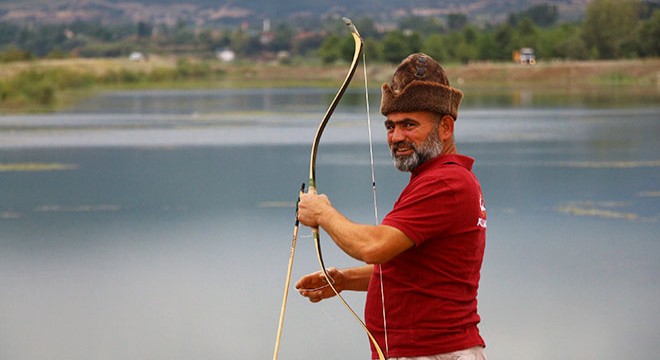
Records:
x=423, y=262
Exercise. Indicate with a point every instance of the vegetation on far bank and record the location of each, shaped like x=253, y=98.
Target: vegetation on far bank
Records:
x=48, y=84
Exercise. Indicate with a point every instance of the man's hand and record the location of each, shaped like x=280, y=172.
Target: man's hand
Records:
x=311, y=208
x=315, y=287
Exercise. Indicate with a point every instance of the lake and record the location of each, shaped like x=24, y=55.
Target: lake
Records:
x=157, y=224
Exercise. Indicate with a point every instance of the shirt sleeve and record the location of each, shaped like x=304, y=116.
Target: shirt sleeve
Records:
x=425, y=209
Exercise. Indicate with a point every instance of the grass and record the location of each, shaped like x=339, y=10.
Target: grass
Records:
x=47, y=85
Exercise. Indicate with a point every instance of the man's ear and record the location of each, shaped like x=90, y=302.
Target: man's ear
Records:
x=446, y=127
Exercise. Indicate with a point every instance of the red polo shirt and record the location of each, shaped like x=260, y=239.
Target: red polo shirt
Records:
x=431, y=289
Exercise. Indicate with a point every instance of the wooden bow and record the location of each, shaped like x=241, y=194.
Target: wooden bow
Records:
x=312, y=189
x=312, y=173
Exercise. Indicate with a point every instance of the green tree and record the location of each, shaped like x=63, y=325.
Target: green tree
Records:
x=648, y=35
x=452, y=43
x=527, y=34
x=284, y=33
x=346, y=48
x=415, y=42
x=395, y=47
x=243, y=43
x=373, y=50
x=466, y=49
x=367, y=28
x=571, y=47
x=456, y=21
x=465, y=52
x=609, y=25
x=144, y=29
x=434, y=46
x=486, y=47
x=470, y=35
x=330, y=50
x=503, y=39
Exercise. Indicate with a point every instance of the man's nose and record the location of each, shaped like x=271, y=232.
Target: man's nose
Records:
x=396, y=135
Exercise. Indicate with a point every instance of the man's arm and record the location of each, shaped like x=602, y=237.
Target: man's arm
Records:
x=315, y=287
x=369, y=243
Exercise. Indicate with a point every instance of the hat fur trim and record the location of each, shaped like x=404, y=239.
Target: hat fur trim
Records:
x=421, y=95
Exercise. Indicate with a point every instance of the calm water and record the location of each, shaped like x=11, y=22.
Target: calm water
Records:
x=157, y=225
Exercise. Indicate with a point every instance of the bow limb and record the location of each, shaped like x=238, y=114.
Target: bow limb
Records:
x=326, y=118
x=312, y=174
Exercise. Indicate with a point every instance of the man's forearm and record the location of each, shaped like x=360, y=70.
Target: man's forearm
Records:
x=346, y=234
x=369, y=243
x=372, y=244
x=357, y=279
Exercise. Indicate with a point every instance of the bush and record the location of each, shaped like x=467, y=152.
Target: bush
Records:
x=41, y=93
x=121, y=76
x=4, y=91
x=187, y=69
x=14, y=54
x=40, y=87
x=162, y=74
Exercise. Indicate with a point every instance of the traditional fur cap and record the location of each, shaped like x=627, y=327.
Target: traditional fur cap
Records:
x=420, y=83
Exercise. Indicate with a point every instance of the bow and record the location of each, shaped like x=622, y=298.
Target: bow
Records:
x=312, y=189
x=312, y=173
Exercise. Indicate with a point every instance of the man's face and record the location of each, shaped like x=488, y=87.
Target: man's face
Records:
x=413, y=138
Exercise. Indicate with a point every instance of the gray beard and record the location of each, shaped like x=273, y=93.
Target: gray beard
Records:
x=430, y=148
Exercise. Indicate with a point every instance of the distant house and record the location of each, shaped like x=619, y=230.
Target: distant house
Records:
x=524, y=56
x=137, y=56
x=225, y=55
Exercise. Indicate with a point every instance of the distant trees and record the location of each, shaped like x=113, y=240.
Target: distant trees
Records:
x=395, y=46
x=456, y=21
x=330, y=49
x=611, y=29
x=648, y=34
x=144, y=30
x=544, y=15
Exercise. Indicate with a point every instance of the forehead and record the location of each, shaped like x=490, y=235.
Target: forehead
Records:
x=419, y=116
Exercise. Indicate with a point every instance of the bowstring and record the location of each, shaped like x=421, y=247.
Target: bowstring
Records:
x=373, y=188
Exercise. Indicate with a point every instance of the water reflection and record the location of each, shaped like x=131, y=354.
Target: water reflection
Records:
x=595, y=97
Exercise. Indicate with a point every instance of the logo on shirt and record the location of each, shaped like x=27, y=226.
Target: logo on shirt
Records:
x=482, y=219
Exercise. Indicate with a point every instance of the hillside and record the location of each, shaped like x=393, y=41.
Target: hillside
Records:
x=204, y=12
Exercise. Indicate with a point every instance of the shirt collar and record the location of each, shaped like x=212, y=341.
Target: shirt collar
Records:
x=461, y=160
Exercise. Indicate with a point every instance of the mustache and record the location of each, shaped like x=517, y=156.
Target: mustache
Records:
x=402, y=144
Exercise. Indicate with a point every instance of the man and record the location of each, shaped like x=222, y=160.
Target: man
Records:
x=429, y=249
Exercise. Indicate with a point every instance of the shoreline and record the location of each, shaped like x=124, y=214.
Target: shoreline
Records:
x=635, y=72
x=642, y=72
x=639, y=76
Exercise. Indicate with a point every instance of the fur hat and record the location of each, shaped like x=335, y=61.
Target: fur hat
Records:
x=420, y=83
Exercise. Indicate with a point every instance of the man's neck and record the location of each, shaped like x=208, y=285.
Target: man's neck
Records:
x=448, y=148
